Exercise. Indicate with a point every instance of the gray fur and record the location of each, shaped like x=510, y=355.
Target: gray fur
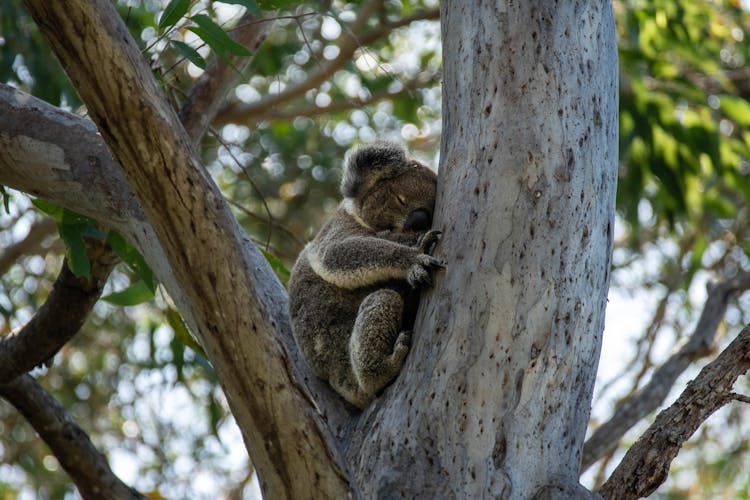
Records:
x=353, y=292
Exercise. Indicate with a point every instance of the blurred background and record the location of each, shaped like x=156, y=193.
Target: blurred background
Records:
x=327, y=78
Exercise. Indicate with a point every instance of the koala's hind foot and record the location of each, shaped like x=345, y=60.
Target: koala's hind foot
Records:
x=377, y=347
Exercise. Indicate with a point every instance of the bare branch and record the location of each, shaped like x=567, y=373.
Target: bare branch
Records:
x=646, y=464
x=742, y=398
x=60, y=317
x=648, y=398
x=352, y=40
x=336, y=107
x=39, y=231
x=71, y=446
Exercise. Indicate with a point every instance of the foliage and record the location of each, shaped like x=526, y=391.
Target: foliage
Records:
x=682, y=207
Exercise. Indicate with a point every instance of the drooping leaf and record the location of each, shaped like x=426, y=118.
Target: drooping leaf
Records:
x=278, y=267
x=78, y=261
x=133, y=259
x=72, y=228
x=178, y=356
x=216, y=37
x=135, y=294
x=173, y=13
x=189, y=53
x=181, y=332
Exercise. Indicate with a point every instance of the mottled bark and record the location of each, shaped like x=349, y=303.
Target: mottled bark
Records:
x=495, y=396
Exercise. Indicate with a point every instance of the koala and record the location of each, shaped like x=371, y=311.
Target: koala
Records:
x=354, y=290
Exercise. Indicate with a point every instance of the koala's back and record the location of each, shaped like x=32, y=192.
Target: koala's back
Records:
x=322, y=317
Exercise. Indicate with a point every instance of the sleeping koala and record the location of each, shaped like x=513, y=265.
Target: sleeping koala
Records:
x=353, y=292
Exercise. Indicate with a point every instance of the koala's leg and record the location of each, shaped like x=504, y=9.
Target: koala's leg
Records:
x=377, y=347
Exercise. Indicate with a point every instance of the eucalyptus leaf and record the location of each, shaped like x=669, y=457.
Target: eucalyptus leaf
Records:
x=216, y=37
x=135, y=294
x=173, y=13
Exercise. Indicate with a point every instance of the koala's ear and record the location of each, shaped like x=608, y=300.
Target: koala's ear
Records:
x=368, y=164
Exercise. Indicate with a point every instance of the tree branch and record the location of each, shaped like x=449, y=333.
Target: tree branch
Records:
x=196, y=236
x=352, y=40
x=646, y=464
x=59, y=156
x=68, y=442
x=336, y=107
x=60, y=317
x=39, y=231
x=71, y=300
x=648, y=398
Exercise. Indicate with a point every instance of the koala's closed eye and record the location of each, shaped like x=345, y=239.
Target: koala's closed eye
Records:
x=418, y=220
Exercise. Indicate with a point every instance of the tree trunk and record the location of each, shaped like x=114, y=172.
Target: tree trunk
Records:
x=495, y=397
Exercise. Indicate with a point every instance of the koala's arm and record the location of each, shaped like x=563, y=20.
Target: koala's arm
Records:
x=358, y=261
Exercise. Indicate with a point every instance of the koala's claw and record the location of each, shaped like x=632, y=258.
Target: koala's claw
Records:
x=419, y=274
x=428, y=240
x=403, y=341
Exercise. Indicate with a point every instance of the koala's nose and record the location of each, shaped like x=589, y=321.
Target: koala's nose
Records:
x=418, y=220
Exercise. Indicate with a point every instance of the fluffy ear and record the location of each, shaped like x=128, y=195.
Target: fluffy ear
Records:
x=368, y=164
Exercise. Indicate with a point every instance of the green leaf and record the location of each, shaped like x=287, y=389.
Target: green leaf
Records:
x=133, y=259
x=181, y=332
x=189, y=53
x=78, y=261
x=276, y=4
x=72, y=227
x=278, y=267
x=252, y=7
x=174, y=12
x=178, y=356
x=135, y=294
x=216, y=38
x=54, y=211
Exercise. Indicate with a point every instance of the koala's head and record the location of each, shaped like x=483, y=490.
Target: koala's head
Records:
x=388, y=190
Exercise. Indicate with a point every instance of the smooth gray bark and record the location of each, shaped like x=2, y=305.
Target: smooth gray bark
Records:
x=495, y=396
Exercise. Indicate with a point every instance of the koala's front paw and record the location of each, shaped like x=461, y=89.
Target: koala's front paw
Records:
x=428, y=240
x=420, y=274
